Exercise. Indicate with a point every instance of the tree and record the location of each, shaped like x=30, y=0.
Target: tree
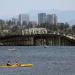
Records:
x=2, y=24
x=66, y=26
x=73, y=29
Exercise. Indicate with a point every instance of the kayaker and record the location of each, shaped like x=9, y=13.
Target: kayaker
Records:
x=18, y=64
x=8, y=63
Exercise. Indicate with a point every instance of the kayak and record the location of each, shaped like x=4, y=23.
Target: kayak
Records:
x=15, y=66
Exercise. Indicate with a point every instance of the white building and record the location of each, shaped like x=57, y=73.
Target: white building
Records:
x=23, y=18
x=5, y=31
x=34, y=31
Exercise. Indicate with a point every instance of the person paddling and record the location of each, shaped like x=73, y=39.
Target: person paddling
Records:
x=8, y=63
x=18, y=64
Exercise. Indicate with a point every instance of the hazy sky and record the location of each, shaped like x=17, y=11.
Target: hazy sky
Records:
x=17, y=6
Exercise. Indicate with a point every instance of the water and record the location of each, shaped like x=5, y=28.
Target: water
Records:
x=53, y=60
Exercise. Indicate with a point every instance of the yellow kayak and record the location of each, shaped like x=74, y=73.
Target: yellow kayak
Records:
x=15, y=66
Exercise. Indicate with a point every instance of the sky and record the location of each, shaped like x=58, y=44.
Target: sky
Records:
x=14, y=7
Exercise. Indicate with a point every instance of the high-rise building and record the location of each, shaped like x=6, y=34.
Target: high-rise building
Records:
x=55, y=19
x=23, y=18
x=41, y=18
x=15, y=20
x=49, y=19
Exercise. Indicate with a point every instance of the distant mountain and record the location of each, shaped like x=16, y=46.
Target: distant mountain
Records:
x=63, y=16
x=72, y=22
x=66, y=16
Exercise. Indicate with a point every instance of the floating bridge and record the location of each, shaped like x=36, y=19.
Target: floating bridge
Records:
x=37, y=40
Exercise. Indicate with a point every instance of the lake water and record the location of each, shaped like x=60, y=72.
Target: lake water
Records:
x=53, y=60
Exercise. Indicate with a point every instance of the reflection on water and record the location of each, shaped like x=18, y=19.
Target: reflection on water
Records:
x=52, y=60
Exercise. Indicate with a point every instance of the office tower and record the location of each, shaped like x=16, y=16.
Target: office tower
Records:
x=41, y=18
x=49, y=19
x=15, y=20
x=23, y=18
x=55, y=19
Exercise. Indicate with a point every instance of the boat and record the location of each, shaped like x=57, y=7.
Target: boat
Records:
x=11, y=49
x=15, y=66
x=46, y=46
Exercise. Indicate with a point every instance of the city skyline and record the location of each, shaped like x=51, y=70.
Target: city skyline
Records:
x=25, y=17
x=42, y=18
